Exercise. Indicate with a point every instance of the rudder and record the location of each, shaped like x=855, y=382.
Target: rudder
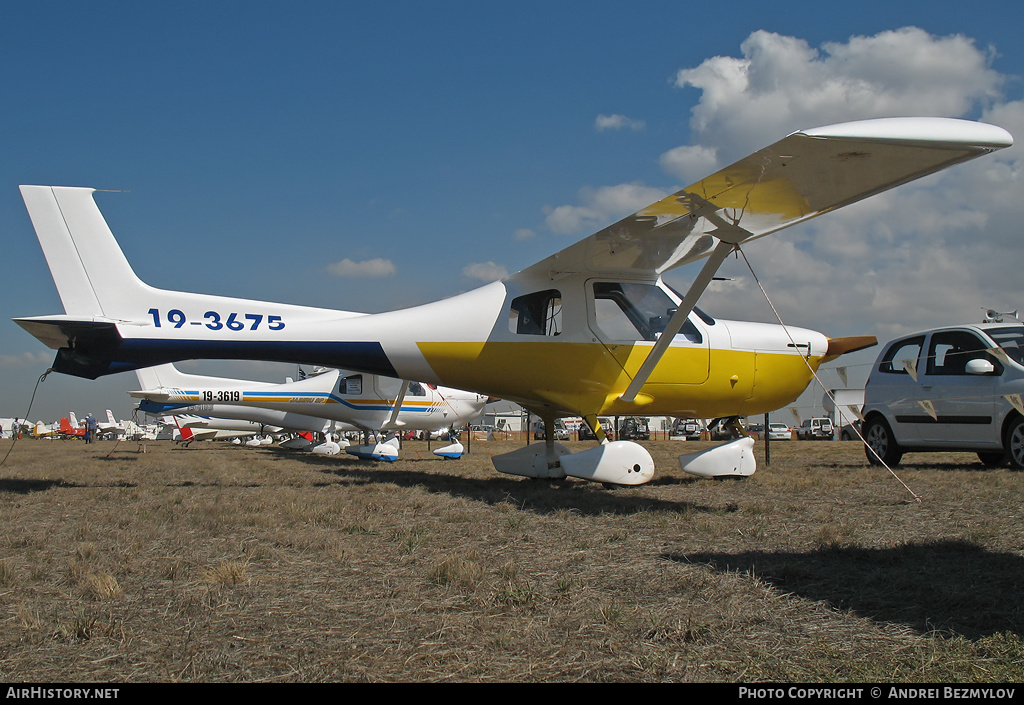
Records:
x=91, y=273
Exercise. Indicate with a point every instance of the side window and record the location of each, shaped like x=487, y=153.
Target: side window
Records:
x=949, y=352
x=416, y=390
x=539, y=313
x=389, y=387
x=630, y=311
x=353, y=384
x=900, y=354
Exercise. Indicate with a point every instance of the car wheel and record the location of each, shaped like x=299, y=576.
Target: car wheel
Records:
x=1015, y=444
x=881, y=443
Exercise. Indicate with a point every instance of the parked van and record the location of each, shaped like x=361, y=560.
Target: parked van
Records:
x=634, y=428
x=687, y=429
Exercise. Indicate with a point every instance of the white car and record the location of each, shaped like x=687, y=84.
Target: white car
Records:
x=948, y=389
x=779, y=432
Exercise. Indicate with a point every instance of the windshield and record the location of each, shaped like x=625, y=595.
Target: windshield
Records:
x=701, y=314
x=1011, y=340
x=636, y=311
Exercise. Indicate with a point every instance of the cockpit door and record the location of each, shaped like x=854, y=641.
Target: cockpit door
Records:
x=628, y=317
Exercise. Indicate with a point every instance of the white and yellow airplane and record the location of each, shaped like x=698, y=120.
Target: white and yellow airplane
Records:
x=591, y=330
x=324, y=402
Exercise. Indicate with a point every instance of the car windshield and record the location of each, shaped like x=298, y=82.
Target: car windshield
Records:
x=1011, y=340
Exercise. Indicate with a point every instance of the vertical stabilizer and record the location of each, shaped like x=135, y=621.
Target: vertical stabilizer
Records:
x=153, y=377
x=92, y=275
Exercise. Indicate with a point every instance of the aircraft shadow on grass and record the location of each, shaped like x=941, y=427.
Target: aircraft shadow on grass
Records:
x=16, y=485
x=946, y=586
x=536, y=496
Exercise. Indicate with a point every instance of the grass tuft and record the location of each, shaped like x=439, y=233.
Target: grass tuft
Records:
x=227, y=573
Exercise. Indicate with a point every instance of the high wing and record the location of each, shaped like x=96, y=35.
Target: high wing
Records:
x=803, y=175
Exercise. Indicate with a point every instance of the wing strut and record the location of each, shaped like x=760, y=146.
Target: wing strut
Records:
x=391, y=423
x=675, y=324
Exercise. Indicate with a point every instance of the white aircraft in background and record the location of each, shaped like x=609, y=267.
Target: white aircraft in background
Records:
x=592, y=330
x=110, y=427
x=325, y=402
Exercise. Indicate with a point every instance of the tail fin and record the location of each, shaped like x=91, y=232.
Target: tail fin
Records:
x=150, y=377
x=74, y=419
x=110, y=418
x=65, y=425
x=88, y=267
x=186, y=432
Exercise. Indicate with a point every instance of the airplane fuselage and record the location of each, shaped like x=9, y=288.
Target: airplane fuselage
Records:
x=575, y=362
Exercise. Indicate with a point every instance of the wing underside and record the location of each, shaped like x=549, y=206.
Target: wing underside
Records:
x=801, y=176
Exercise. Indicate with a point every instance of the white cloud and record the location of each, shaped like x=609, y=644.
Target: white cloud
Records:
x=485, y=271
x=689, y=163
x=367, y=269
x=618, y=122
x=601, y=206
x=27, y=359
x=524, y=234
x=781, y=84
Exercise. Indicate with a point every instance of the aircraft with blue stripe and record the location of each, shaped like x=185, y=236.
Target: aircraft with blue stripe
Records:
x=327, y=401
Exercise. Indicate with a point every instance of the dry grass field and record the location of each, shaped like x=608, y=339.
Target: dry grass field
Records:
x=219, y=563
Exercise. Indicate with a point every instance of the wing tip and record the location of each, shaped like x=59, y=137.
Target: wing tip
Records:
x=938, y=131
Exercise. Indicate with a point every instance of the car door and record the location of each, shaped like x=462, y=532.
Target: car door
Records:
x=894, y=390
x=964, y=403
x=628, y=318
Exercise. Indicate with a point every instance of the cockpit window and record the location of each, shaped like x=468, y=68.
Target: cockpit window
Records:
x=632, y=311
x=539, y=313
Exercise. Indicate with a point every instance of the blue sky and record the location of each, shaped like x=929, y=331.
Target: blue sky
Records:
x=270, y=150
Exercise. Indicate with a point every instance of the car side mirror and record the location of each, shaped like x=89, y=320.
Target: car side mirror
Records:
x=980, y=366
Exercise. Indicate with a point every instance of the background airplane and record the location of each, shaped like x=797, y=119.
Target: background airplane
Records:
x=591, y=330
x=69, y=429
x=110, y=428
x=324, y=402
